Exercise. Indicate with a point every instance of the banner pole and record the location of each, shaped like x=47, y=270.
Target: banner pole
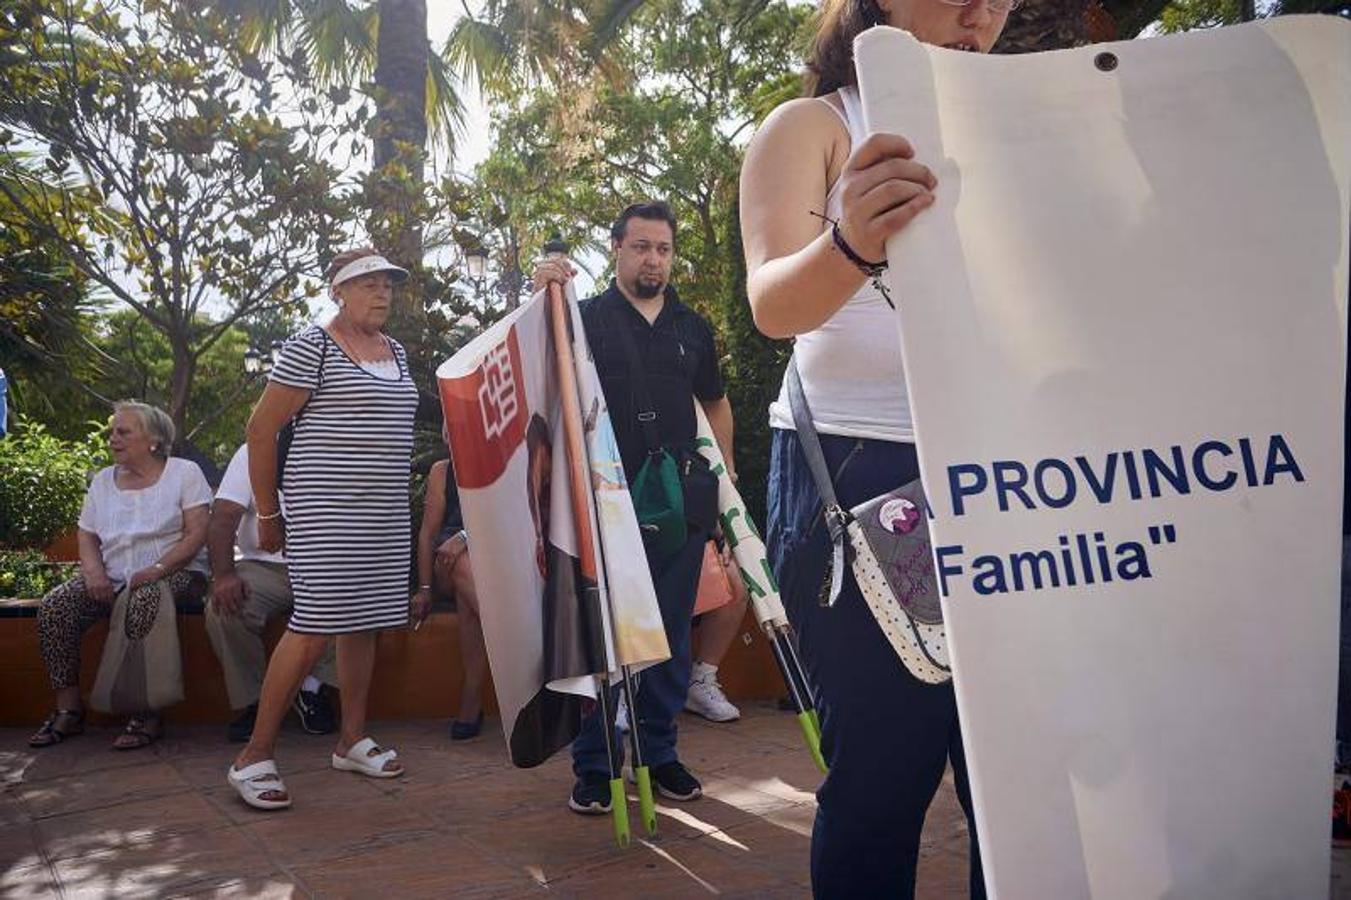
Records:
x=579, y=483
x=749, y=553
x=641, y=776
x=790, y=667
x=647, y=806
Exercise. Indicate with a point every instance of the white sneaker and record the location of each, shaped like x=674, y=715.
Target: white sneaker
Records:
x=705, y=698
x=622, y=716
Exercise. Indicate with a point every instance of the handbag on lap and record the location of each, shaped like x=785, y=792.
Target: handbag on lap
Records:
x=140, y=674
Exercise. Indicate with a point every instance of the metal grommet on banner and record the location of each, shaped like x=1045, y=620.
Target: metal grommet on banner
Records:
x=1106, y=62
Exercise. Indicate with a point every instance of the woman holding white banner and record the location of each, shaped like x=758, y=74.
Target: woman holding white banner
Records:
x=819, y=198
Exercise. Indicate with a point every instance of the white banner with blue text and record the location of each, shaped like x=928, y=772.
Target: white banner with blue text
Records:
x=1123, y=326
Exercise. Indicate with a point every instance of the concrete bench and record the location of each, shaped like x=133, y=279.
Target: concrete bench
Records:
x=417, y=674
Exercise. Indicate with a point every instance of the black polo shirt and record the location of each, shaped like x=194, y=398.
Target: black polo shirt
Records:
x=680, y=360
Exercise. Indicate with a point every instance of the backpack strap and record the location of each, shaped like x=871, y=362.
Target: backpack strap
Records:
x=647, y=412
x=288, y=431
x=837, y=517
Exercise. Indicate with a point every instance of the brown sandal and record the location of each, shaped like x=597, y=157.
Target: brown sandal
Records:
x=142, y=730
x=61, y=724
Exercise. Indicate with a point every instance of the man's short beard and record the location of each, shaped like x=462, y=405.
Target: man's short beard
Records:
x=646, y=290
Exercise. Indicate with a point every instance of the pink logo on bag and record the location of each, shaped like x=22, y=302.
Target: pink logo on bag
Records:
x=899, y=516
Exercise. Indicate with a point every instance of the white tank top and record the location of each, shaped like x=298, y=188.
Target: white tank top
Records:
x=851, y=365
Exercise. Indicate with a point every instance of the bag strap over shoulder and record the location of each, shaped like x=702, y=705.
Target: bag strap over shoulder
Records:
x=647, y=411
x=837, y=517
x=288, y=431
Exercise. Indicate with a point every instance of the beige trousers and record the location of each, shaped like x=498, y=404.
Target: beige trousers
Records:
x=238, y=640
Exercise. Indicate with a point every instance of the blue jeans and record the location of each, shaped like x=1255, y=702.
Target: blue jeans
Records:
x=661, y=688
x=886, y=736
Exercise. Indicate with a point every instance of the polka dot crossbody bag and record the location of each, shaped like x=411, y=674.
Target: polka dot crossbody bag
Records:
x=885, y=542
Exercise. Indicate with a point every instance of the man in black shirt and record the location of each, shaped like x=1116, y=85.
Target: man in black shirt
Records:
x=675, y=347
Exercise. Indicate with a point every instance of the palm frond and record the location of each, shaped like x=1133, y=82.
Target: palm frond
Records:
x=479, y=50
x=263, y=24
x=445, y=107
x=608, y=23
x=339, y=38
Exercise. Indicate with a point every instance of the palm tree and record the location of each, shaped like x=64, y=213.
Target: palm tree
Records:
x=46, y=306
x=511, y=42
x=348, y=42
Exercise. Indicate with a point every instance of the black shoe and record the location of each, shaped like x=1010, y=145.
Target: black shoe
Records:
x=316, y=713
x=241, y=729
x=463, y=731
x=675, y=782
x=590, y=796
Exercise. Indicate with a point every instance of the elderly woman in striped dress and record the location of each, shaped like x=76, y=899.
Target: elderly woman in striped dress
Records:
x=345, y=522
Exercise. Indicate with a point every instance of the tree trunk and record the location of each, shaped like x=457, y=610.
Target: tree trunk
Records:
x=180, y=384
x=1045, y=25
x=402, y=50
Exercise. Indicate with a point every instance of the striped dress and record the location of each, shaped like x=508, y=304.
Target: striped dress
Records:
x=345, y=487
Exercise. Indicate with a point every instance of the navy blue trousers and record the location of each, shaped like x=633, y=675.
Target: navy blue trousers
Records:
x=886, y=736
x=661, y=688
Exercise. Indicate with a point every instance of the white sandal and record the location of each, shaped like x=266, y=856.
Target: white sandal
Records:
x=252, y=782
x=359, y=759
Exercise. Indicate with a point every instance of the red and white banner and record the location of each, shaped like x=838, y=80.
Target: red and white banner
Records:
x=501, y=397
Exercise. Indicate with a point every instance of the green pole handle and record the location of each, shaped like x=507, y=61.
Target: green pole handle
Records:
x=807, y=720
x=646, y=805
x=619, y=811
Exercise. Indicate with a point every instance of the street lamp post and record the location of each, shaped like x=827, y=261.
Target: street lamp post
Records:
x=506, y=285
x=256, y=364
x=556, y=247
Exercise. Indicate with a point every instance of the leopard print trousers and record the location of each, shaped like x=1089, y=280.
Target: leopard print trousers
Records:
x=68, y=611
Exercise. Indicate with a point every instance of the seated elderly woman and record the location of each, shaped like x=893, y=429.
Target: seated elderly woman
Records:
x=143, y=524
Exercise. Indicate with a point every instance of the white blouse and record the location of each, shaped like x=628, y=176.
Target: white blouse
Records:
x=851, y=365
x=135, y=528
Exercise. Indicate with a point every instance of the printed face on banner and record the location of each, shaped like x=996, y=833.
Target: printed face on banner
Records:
x=539, y=480
x=488, y=413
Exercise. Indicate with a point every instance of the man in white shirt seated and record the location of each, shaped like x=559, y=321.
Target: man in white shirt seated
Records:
x=248, y=589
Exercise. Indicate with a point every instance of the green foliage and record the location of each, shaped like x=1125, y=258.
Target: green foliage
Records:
x=42, y=483
x=1186, y=15
x=1189, y=15
x=697, y=79
x=752, y=366
x=28, y=574
x=194, y=193
x=507, y=45
x=222, y=394
x=46, y=310
x=337, y=41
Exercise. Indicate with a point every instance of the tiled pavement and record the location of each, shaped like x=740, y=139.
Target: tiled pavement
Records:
x=80, y=820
